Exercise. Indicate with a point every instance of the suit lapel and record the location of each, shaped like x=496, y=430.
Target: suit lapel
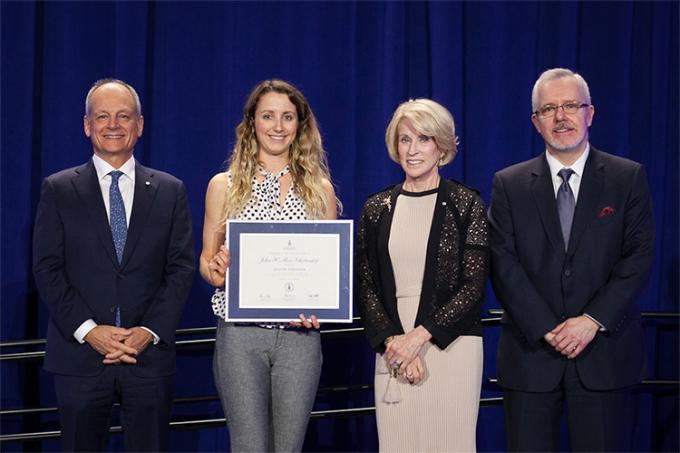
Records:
x=589, y=194
x=145, y=192
x=87, y=186
x=544, y=196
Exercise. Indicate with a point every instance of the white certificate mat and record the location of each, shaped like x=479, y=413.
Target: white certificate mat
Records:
x=279, y=270
x=289, y=270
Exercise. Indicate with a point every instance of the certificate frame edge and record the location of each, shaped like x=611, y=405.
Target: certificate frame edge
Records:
x=350, y=271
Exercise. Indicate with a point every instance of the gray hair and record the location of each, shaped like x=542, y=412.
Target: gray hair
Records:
x=558, y=73
x=101, y=82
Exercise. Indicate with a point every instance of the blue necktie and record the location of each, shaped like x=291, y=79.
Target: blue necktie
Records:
x=565, y=204
x=117, y=221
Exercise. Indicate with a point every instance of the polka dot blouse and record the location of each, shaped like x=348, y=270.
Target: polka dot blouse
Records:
x=264, y=204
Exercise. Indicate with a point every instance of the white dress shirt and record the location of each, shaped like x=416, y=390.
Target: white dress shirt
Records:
x=575, y=180
x=126, y=184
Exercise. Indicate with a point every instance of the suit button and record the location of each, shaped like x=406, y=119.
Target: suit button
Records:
x=112, y=309
x=121, y=276
x=567, y=272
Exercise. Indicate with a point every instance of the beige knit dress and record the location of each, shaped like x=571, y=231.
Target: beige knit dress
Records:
x=440, y=413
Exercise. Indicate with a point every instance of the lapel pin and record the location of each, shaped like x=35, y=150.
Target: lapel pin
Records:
x=147, y=183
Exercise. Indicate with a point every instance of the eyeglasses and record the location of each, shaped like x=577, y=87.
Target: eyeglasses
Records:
x=568, y=108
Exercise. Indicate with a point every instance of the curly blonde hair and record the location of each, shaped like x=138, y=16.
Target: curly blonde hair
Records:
x=308, y=163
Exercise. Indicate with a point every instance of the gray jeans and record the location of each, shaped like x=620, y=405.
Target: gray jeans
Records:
x=267, y=381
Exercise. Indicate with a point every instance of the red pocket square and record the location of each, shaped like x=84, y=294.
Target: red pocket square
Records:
x=607, y=210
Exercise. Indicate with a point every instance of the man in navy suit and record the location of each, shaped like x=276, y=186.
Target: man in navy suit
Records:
x=113, y=259
x=572, y=246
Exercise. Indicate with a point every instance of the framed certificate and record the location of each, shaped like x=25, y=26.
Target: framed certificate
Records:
x=281, y=269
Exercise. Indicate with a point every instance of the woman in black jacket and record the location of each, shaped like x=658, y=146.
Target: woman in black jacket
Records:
x=422, y=263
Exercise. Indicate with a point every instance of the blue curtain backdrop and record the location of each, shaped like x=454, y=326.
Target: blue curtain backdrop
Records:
x=194, y=63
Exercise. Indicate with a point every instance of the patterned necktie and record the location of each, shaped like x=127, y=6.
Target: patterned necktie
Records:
x=118, y=222
x=565, y=204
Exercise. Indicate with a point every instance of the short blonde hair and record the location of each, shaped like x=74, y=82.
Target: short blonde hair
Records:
x=429, y=118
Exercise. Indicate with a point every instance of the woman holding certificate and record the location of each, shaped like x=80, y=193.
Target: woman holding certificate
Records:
x=422, y=263
x=267, y=374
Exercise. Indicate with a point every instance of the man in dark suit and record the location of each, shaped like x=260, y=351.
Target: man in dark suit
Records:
x=114, y=261
x=572, y=236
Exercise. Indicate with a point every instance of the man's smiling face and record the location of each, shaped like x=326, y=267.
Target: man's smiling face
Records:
x=113, y=123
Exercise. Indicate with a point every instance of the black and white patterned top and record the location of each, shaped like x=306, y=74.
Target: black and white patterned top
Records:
x=266, y=194
x=264, y=204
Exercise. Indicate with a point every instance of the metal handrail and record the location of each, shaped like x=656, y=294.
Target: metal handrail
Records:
x=644, y=314
x=189, y=399
x=320, y=391
x=644, y=382
x=219, y=422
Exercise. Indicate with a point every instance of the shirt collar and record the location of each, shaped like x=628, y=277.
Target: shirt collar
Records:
x=103, y=168
x=578, y=166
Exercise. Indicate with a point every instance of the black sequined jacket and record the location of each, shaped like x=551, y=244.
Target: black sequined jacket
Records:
x=456, y=267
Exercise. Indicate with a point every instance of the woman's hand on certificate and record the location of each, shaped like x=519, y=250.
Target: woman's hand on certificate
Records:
x=309, y=323
x=218, y=266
